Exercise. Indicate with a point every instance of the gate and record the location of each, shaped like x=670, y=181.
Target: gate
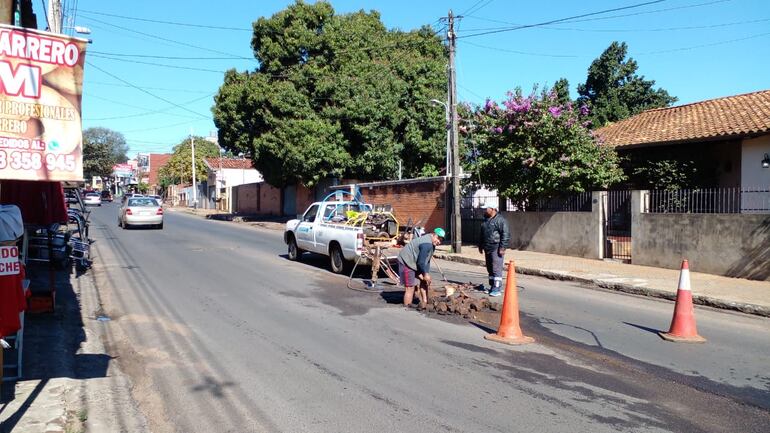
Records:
x=617, y=225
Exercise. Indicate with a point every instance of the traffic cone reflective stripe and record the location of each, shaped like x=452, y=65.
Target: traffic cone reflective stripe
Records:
x=683, y=328
x=509, y=331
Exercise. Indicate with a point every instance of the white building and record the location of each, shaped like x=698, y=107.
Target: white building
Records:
x=225, y=173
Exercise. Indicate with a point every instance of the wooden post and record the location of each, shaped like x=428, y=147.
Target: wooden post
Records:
x=6, y=11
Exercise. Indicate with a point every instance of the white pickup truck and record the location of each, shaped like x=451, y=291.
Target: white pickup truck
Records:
x=322, y=230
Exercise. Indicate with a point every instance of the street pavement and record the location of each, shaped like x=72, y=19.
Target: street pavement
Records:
x=219, y=332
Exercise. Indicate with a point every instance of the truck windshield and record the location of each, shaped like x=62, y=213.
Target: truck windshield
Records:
x=340, y=211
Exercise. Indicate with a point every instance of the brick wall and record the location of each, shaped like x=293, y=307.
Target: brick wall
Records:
x=257, y=199
x=246, y=198
x=269, y=199
x=305, y=197
x=423, y=201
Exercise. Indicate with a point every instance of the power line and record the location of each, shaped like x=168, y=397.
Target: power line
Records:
x=112, y=101
x=185, y=44
x=45, y=13
x=148, y=113
x=663, y=29
x=146, y=91
x=147, y=56
x=674, y=50
x=562, y=19
x=471, y=8
x=173, y=23
x=478, y=8
x=526, y=53
x=161, y=127
x=165, y=89
x=162, y=65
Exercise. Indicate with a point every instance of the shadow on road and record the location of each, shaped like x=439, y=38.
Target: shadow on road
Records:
x=51, y=343
x=644, y=328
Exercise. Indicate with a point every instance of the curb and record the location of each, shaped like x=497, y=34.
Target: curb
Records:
x=754, y=309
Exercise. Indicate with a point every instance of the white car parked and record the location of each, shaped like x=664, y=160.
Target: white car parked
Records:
x=93, y=199
x=140, y=211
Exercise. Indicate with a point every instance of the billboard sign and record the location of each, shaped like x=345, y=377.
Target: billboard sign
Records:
x=41, y=87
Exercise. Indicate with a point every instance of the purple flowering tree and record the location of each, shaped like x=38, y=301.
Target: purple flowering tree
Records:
x=534, y=146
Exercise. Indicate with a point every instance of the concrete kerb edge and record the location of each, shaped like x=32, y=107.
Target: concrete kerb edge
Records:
x=754, y=309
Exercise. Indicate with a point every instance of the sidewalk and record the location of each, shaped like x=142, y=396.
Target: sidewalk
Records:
x=71, y=382
x=268, y=222
x=747, y=296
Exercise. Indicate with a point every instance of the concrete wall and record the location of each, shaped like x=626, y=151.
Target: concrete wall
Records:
x=576, y=234
x=736, y=245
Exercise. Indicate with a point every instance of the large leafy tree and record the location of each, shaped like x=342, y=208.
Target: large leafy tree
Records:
x=536, y=147
x=614, y=91
x=335, y=95
x=178, y=169
x=102, y=148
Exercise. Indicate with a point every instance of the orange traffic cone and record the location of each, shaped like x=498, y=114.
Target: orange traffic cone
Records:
x=683, y=329
x=509, y=331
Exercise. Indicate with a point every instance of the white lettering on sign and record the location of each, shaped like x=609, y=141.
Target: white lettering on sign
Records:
x=24, y=80
x=9, y=261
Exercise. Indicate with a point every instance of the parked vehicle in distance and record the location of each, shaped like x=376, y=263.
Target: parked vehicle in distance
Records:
x=107, y=196
x=71, y=196
x=128, y=195
x=158, y=198
x=93, y=199
x=140, y=211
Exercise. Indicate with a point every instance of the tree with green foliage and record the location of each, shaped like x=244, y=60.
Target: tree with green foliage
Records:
x=561, y=89
x=534, y=147
x=102, y=148
x=335, y=96
x=614, y=91
x=178, y=169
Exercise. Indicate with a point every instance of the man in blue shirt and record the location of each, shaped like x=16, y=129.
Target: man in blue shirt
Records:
x=414, y=265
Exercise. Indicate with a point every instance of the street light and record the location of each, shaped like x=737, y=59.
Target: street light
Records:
x=436, y=102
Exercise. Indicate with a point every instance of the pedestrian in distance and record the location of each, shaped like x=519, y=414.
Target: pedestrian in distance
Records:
x=493, y=242
x=414, y=266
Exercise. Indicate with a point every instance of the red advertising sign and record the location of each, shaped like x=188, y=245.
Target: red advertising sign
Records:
x=41, y=86
x=9, y=261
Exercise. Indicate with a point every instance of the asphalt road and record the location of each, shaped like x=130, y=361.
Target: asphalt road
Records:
x=220, y=333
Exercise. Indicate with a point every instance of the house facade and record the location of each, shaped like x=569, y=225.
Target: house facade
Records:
x=722, y=143
x=223, y=174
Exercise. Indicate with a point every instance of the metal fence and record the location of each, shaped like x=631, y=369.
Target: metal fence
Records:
x=709, y=200
x=576, y=202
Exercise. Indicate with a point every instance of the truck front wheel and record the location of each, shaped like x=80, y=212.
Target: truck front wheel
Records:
x=294, y=251
x=336, y=259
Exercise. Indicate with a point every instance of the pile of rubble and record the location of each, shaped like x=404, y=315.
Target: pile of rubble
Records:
x=455, y=300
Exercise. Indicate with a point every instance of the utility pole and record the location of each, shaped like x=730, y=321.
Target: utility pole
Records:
x=195, y=180
x=54, y=16
x=456, y=220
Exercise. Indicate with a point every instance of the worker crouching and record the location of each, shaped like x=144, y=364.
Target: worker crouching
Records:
x=414, y=266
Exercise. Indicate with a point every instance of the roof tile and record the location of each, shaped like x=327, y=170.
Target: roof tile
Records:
x=230, y=163
x=738, y=115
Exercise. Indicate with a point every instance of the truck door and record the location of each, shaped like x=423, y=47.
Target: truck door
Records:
x=305, y=235
x=323, y=235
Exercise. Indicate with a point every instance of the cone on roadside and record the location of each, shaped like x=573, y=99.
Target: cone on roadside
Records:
x=683, y=329
x=509, y=331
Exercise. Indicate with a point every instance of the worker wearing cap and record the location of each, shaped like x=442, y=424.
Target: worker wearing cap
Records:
x=493, y=241
x=414, y=265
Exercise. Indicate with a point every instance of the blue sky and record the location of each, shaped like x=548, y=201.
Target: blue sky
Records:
x=695, y=49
